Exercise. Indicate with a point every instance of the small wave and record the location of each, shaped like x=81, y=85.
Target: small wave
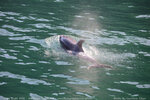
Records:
x=144, y=53
x=9, y=13
x=50, y=13
x=95, y=87
x=23, y=79
x=131, y=6
x=72, y=79
x=4, y=98
x=33, y=48
x=18, y=29
x=78, y=16
x=44, y=62
x=7, y=56
x=143, y=16
x=21, y=63
x=34, y=18
x=81, y=93
x=115, y=90
x=118, y=32
x=135, y=39
x=134, y=83
x=110, y=41
x=127, y=82
x=14, y=19
x=2, y=14
x=4, y=32
x=59, y=1
x=3, y=83
x=34, y=96
x=42, y=25
x=62, y=63
x=3, y=50
x=30, y=39
x=143, y=86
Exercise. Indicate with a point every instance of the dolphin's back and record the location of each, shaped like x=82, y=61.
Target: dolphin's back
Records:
x=66, y=43
x=70, y=44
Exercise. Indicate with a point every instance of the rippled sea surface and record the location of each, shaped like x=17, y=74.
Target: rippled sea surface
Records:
x=34, y=66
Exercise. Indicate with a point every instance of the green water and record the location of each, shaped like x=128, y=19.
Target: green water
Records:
x=116, y=32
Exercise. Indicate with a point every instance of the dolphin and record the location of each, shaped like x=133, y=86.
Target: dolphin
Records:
x=71, y=45
x=75, y=48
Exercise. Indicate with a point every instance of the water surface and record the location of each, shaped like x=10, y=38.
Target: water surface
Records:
x=116, y=33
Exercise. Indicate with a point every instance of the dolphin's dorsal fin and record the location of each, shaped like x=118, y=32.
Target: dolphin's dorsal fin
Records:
x=79, y=43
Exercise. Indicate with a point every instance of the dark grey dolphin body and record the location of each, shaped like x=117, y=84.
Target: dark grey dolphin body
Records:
x=75, y=48
x=71, y=45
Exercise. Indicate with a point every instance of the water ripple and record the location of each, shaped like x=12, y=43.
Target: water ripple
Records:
x=140, y=40
x=128, y=82
x=20, y=38
x=118, y=32
x=50, y=13
x=95, y=87
x=143, y=86
x=72, y=79
x=114, y=90
x=42, y=25
x=3, y=98
x=23, y=79
x=33, y=48
x=59, y=1
x=144, y=53
x=3, y=50
x=110, y=41
x=62, y=63
x=7, y=56
x=79, y=16
x=134, y=83
x=34, y=18
x=18, y=29
x=4, y=32
x=34, y=96
x=111, y=38
x=143, y=16
x=12, y=18
x=2, y=83
x=2, y=14
x=30, y=39
x=44, y=62
x=9, y=13
x=81, y=93
x=22, y=63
